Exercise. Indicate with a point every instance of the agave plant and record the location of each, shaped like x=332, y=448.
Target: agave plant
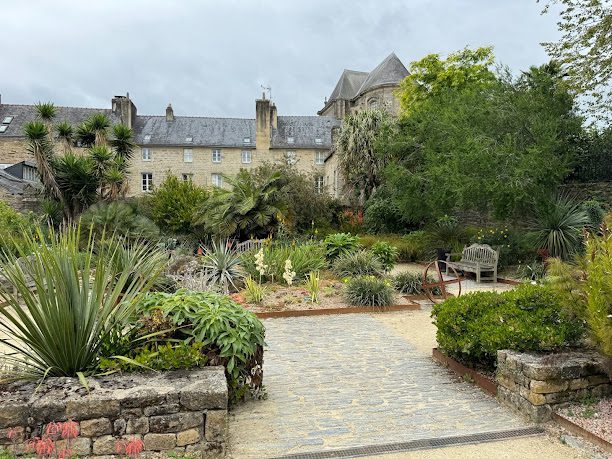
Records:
x=221, y=264
x=81, y=296
x=558, y=227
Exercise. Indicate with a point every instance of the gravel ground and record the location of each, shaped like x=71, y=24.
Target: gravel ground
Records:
x=594, y=417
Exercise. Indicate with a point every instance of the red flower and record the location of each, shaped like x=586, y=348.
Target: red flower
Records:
x=13, y=432
x=42, y=446
x=134, y=447
x=120, y=446
x=70, y=429
x=53, y=429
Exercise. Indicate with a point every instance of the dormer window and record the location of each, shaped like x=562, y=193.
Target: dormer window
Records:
x=7, y=120
x=290, y=140
x=246, y=140
x=318, y=140
x=188, y=139
x=147, y=138
x=3, y=128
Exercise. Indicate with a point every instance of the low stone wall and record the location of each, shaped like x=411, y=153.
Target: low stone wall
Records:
x=534, y=384
x=184, y=411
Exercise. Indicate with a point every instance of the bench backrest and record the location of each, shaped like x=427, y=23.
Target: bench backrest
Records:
x=480, y=253
x=249, y=245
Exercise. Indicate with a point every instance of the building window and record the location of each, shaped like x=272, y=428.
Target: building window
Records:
x=290, y=140
x=290, y=158
x=318, y=140
x=187, y=177
x=3, y=128
x=246, y=140
x=246, y=157
x=147, y=138
x=216, y=156
x=319, y=184
x=147, y=181
x=146, y=154
x=187, y=155
x=217, y=180
x=319, y=157
x=29, y=173
x=7, y=120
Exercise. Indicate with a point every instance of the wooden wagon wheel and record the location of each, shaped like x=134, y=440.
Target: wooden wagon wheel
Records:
x=428, y=288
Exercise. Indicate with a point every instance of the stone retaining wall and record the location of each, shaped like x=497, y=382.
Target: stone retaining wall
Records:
x=534, y=384
x=184, y=411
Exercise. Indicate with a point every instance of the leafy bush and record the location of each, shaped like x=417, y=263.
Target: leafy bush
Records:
x=174, y=203
x=446, y=232
x=595, y=212
x=369, y=291
x=82, y=300
x=414, y=246
x=254, y=292
x=231, y=336
x=339, y=244
x=386, y=254
x=159, y=357
x=359, y=263
x=475, y=326
x=12, y=225
x=121, y=218
x=221, y=266
x=380, y=216
x=410, y=283
x=304, y=259
x=514, y=247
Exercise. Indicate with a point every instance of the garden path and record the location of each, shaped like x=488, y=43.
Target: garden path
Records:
x=339, y=382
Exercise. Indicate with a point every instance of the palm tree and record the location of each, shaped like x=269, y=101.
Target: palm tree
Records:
x=122, y=141
x=99, y=124
x=42, y=149
x=360, y=164
x=249, y=208
x=74, y=175
x=46, y=111
x=85, y=135
x=115, y=182
x=65, y=132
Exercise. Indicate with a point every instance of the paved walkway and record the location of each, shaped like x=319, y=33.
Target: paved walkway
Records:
x=351, y=380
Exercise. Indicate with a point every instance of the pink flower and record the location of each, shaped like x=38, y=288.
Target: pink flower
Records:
x=70, y=429
x=42, y=446
x=13, y=432
x=53, y=429
x=134, y=447
x=120, y=446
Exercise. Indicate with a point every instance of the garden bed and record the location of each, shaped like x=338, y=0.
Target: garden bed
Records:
x=591, y=420
x=484, y=381
x=291, y=301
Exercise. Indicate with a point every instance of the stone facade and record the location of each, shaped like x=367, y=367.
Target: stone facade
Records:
x=536, y=384
x=180, y=411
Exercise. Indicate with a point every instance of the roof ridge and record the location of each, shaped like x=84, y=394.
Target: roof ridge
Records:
x=196, y=116
x=56, y=106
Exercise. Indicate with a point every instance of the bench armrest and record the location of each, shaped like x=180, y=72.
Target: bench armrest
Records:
x=450, y=255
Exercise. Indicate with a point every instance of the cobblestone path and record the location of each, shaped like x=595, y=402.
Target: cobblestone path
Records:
x=345, y=381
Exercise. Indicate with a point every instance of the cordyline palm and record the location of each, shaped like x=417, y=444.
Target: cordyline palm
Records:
x=65, y=133
x=122, y=141
x=83, y=297
x=85, y=135
x=115, y=182
x=41, y=148
x=46, y=111
x=99, y=124
x=248, y=208
x=75, y=178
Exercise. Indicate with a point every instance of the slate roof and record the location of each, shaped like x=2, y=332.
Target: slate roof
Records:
x=23, y=114
x=11, y=183
x=352, y=83
x=304, y=130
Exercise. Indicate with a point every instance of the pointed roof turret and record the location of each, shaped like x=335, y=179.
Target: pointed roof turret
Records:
x=389, y=71
x=349, y=83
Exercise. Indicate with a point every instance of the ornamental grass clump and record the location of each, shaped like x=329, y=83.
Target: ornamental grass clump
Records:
x=67, y=300
x=369, y=291
x=411, y=283
x=362, y=263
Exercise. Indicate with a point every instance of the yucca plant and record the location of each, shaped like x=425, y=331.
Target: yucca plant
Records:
x=558, y=227
x=221, y=264
x=99, y=124
x=361, y=263
x=46, y=111
x=313, y=285
x=254, y=291
x=65, y=132
x=81, y=296
x=86, y=135
x=122, y=141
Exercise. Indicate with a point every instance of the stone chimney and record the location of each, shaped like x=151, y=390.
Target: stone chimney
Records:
x=169, y=113
x=273, y=116
x=262, y=123
x=125, y=109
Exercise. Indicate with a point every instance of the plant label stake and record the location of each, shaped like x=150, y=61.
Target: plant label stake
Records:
x=429, y=288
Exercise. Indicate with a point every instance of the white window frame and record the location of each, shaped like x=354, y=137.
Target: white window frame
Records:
x=216, y=156
x=291, y=140
x=147, y=182
x=145, y=154
x=319, y=158
x=7, y=119
x=246, y=140
x=246, y=156
x=319, y=184
x=319, y=141
x=3, y=127
x=189, y=139
x=216, y=180
x=187, y=155
x=147, y=138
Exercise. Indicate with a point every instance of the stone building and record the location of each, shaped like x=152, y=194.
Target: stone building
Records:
x=204, y=149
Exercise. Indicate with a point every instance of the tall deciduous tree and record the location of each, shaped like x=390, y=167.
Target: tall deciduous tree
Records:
x=585, y=51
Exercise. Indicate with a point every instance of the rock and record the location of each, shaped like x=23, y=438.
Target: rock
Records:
x=90, y=408
x=159, y=441
x=79, y=446
x=216, y=426
x=137, y=425
x=119, y=427
x=161, y=409
x=188, y=437
x=13, y=415
x=96, y=427
x=175, y=422
x=105, y=445
x=547, y=387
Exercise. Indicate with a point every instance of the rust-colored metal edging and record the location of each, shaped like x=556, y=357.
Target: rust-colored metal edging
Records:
x=576, y=429
x=482, y=381
x=332, y=311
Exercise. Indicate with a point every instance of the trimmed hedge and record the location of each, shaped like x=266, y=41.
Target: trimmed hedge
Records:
x=472, y=328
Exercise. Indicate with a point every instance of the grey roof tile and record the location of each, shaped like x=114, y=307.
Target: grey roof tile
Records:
x=304, y=130
x=11, y=183
x=349, y=83
x=389, y=71
x=22, y=114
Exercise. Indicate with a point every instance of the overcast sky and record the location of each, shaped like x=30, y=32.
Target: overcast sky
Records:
x=209, y=58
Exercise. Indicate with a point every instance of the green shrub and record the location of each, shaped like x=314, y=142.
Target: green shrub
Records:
x=121, y=218
x=595, y=212
x=475, y=326
x=381, y=216
x=254, y=291
x=304, y=258
x=359, y=263
x=369, y=291
x=386, y=254
x=231, y=335
x=165, y=356
x=12, y=225
x=414, y=246
x=514, y=246
x=339, y=244
x=410, y=283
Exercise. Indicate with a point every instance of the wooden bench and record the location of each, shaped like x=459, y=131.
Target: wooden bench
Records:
x=477, y=258
x=251, y=244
